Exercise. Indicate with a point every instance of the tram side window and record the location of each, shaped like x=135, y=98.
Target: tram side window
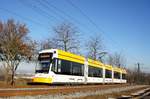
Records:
x=66, y=67
x=116, y=75
x=94, y=72
x=54, y=65
x=77, y=69
x=123, y=76
x=108, y=73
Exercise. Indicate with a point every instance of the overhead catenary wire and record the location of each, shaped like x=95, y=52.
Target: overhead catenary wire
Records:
x=23, y=17
x=38, y=10
x=48, y=4
x=92, y=22
x=45, y=8
x=42, y=3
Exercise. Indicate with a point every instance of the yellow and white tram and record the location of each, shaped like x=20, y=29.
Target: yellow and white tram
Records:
x=60, y=67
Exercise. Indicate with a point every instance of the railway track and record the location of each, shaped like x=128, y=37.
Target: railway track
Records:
x=53, y=89
x=64, y=90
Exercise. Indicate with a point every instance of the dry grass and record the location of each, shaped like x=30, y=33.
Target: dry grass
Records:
x=22, y=82
x=18, y=82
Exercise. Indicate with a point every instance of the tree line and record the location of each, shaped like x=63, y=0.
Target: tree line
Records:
x=17, y=46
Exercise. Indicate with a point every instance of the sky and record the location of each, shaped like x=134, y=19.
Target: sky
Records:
x=123, y=24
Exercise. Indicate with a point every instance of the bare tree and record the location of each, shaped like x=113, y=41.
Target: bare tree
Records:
x=66, y=37
x=94, y=47
x=116, y=59
x=110, y=60
x=46, y=44
x=119, y=60
x=133, y=77
x=14, y=45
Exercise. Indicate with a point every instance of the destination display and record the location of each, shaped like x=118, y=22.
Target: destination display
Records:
x=45, y=56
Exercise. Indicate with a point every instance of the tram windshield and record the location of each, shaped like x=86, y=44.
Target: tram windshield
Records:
x=45, y=59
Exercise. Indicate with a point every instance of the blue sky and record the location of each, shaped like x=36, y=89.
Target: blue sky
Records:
x=123, y=24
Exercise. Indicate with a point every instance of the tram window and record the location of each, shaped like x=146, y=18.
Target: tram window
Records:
x=116, y=75
x=54, y=65
x=108, y=73
x=123, y=76
x=59, y=66
x=77, y=69
x=42, y=67
x=94, y=72
x=65, y=67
